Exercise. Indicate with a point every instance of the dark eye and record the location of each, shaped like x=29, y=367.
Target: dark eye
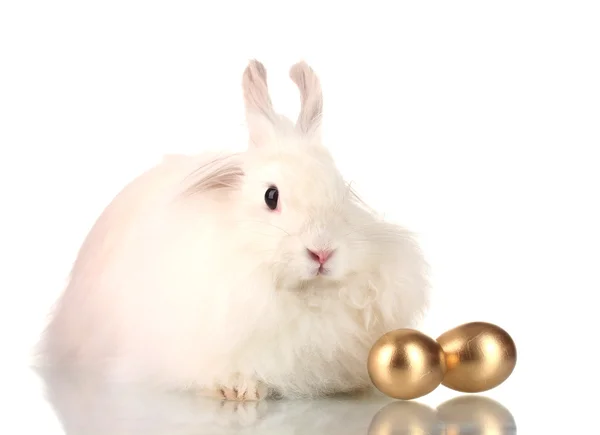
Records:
x=272, y=197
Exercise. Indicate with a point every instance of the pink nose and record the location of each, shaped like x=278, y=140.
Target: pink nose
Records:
x=321, y=256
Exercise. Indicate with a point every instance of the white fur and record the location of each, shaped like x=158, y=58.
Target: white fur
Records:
x=188, y=280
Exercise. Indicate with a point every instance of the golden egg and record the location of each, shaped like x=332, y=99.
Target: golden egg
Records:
x=406, y=364
x=479, y=357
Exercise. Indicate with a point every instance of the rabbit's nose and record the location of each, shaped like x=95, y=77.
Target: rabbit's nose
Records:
x=321, y=256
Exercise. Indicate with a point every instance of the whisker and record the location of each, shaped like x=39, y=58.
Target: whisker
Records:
x=265, y=223
x=367, y=225
x=389, y=236
x=265, y=251
x=264, y=234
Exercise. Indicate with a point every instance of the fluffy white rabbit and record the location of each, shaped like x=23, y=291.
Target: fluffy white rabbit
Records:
x=242, y=275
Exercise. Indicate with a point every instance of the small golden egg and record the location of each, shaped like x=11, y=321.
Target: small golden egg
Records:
x=479, y=357
x=406, y=364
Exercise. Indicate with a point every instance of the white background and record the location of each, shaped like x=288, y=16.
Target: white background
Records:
x=475, y=124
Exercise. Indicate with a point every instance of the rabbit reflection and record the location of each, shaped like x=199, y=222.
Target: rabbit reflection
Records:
x=87, y=407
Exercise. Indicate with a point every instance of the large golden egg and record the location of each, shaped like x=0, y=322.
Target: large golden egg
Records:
x=479, y=357
x=406, y=364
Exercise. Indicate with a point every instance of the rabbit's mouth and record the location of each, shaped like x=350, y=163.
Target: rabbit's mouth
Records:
x=323, y=271
x=320, y=273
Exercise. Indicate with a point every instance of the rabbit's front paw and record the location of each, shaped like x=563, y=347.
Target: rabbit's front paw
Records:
x=242, y=389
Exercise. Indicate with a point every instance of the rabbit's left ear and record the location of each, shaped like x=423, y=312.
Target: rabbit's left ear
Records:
x=311, y=109
x=260, y=116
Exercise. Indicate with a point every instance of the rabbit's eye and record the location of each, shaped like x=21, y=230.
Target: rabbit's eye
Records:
x=272, y=197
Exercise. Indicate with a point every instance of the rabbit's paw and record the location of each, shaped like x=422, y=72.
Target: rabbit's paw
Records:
x=240, y=388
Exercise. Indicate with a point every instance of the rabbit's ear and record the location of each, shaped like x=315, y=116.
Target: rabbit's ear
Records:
x=260, y=116
x=311, y=109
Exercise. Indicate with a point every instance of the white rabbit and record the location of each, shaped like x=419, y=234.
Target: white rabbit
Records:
x=242, y=275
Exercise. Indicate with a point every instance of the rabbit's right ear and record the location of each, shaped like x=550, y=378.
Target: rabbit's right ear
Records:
x=260, y=116
x=311, y=95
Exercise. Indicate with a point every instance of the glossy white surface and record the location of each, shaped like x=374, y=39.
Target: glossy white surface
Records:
x=473, y=123
x=65, y=406
x=86, y=408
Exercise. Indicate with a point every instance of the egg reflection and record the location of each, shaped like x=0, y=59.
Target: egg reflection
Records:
x=483, y=416
x=407, y=418
x=461, y=416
